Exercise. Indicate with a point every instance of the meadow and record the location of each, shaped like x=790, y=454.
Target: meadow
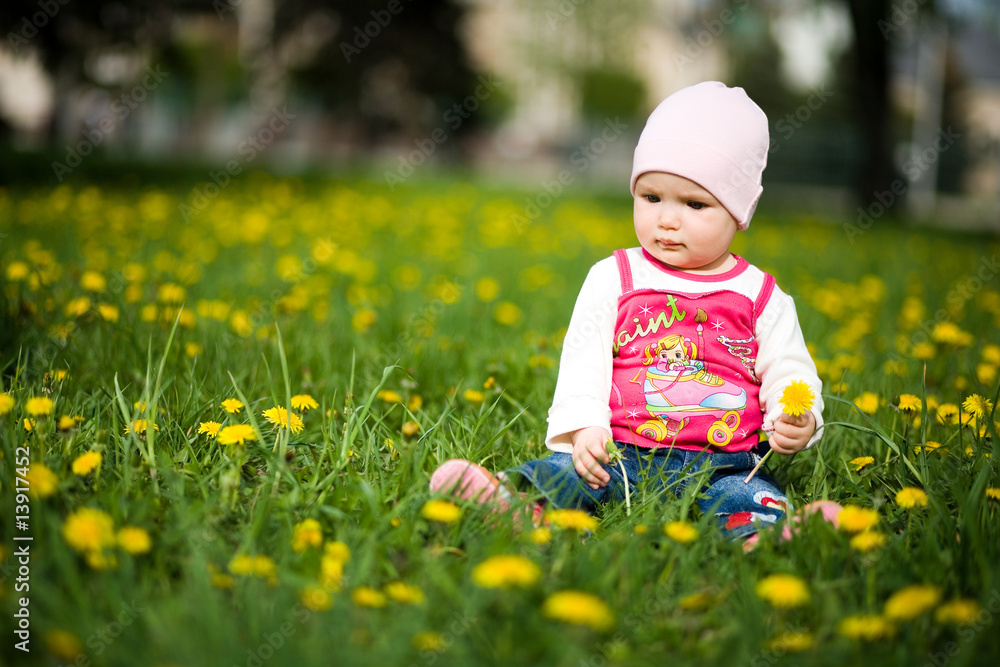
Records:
x=218, y=432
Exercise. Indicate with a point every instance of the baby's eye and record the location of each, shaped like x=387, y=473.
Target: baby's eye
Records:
x=652, y=199
x=696, y=205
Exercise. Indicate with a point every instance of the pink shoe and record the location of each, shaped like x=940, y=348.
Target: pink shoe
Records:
x=469, y=481
x=827, y=509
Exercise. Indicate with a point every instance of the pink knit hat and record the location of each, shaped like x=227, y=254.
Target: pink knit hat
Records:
x=713, y=135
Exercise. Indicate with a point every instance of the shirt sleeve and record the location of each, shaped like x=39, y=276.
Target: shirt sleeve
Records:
x=782, y=357
x=583, y=386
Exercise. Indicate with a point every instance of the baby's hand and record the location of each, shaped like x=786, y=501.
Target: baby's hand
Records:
x=792, y=433
x=588, y=453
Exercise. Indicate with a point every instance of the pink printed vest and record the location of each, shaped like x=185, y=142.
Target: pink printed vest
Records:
x=683, y=372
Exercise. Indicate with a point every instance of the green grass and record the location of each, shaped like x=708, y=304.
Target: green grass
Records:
x=345, y=290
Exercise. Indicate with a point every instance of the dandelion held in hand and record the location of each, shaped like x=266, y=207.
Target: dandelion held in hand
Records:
x=797, y=399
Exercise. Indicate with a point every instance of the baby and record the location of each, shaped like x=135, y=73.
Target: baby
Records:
x=678, y=350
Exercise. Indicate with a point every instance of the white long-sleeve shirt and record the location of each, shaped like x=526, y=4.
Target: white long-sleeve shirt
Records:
x=583, y=387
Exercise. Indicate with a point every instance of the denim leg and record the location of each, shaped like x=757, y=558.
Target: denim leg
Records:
x=743, y=508
x=557, y=479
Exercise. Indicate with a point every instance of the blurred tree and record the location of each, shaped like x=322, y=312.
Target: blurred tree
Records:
x=873, y=108
x=375, y=64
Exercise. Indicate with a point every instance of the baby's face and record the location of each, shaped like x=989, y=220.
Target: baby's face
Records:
x=681, y=224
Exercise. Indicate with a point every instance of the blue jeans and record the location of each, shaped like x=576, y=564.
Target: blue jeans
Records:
x=740, y=508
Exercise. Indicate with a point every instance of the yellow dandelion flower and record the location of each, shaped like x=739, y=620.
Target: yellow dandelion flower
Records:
x=986, y=373
x=487, y=289
x=389, y=396
x=134, y=540
x=29, y=425
x=797, y=398
x=170, y=293
x=867, y=402
x=193, y=349
x=947, y=413
x=861, y=462
x=410, y=429
x=108, y=312
x=236, y=434
x=572, y=519
x=993, y=493
x=783, y=591
x=232, y=405
x=415, y=403
x=337, y=551
x=7, y=403
x=856, y=519
x=578, y=608
x=38, y=406
x=86, y=463
x=220, y=579
x=77, y=307
x=211, y=429
x=404, y=593
x=867, y=540
x=909, y=497
x=507, y=313
x=506, y=571
x=977, y=405
x=474, y=396
x=681, y=531
x=910, y=404
x=911, y=602
x=140, y=426
x=42, y=482
x=441, y=511
x=792, y=642
x=959, y=611
x=89, y=530
x=640, y=529
x=991, y=354
x=431, y=642
x=67, y=423
x=306, y=533
x=541, y=535
x=304, y=402
x=365, y=596
x=316, y=598
x=17, y=271
x=258, y=566
x=279, y=416
x=63, y=644
x=865, y=627
x=92, y=281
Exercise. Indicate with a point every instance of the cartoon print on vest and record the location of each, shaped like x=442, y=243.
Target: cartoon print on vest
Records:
x=678, y=388
x=740, y=348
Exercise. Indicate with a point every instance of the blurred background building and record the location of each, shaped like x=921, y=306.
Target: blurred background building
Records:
x=864, y=97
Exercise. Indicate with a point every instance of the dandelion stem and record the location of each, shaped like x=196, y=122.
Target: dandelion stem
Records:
x=753, y=472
